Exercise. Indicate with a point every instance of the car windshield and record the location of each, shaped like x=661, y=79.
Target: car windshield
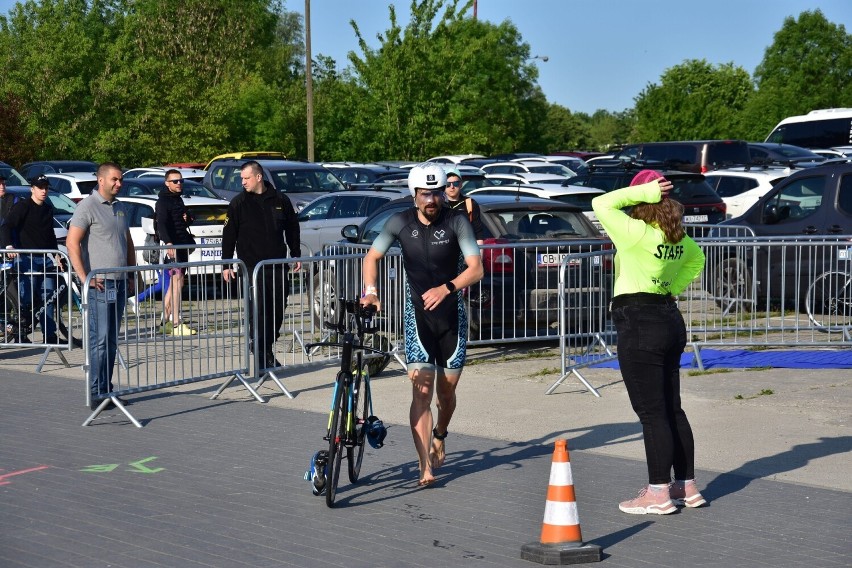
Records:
x=306, y=181
x=581, y=200
x=195, y=189
x=12, y=176
x=528, y=225
x=209, y=214
x=61, y=204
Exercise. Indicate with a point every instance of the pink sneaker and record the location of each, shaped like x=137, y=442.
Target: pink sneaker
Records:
x=649, y=502
x=686, y=493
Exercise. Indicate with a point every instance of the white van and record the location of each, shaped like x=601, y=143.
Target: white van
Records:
x=824, y=128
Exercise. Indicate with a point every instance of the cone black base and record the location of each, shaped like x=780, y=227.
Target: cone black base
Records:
x=561, y=554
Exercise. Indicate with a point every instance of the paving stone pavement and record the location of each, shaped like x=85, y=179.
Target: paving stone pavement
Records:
x=219, y=484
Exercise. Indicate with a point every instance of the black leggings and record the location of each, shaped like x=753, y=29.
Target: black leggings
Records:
x=651, y=339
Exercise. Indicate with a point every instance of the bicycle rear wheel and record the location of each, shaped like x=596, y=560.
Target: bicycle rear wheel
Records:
x=336, y=435
x=360, y=408
x=829, y=301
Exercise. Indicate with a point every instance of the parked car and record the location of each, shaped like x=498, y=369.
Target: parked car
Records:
x=34, y=169
x=524, y=178
x=822, y=128
x=207, y=228
x=528, y=168
x=786, y=154
x=153, y=185
x=301, y=182
x=576, y=165
x=811, y=202
x=359, y=176
x=454, y=158
x=519, y=290
x=193, y=174
x=321, y=220
x=742, y=186
x=701, y=204
x=699, y=156
x=261, y=155
x=76, y=185
x=578, y=196
x=13, y=176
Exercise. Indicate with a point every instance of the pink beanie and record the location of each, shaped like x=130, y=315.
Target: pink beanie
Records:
x=646, y=176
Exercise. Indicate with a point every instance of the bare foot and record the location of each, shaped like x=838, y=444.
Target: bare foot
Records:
x=426, y=478
x=437, y=453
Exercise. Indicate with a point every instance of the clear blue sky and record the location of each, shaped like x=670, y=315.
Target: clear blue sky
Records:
x=602, y=53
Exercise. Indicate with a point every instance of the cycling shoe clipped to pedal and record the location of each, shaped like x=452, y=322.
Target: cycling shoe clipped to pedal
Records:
x=317, y=472
x=376, y=432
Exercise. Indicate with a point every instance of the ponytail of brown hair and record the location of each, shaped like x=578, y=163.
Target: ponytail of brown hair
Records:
x=667, y=215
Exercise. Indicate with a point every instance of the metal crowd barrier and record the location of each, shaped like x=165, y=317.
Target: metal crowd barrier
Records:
x=149, y=353
x=753, y=293
x=34, y=290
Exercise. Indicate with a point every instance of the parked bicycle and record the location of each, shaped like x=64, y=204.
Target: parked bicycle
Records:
x=828, y=301
x=350, y=421
x=10, y=305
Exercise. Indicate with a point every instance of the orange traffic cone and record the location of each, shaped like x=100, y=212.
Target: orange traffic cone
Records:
x=561, y=540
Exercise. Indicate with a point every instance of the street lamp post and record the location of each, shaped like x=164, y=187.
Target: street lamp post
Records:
x=309, y=82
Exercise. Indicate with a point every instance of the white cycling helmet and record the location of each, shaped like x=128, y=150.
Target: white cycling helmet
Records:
x=426, y=176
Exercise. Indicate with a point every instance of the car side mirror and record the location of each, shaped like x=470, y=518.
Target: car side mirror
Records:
x=771, y=214
x=350, y=233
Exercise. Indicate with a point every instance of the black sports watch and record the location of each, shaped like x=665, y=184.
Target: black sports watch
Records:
x=450, y=286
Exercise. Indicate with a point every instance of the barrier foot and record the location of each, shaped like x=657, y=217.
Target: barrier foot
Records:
x=561, y=554
x=246, y=384
x=582, y=379
x=274, y=377
x=115, y=400
x=44, y=356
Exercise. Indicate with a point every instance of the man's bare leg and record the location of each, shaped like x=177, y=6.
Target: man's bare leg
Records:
x=420, y=417
x=446, y=390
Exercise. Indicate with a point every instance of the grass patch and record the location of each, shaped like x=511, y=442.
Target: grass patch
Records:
x=764, y=392
x=546, y=371
x=708, y=372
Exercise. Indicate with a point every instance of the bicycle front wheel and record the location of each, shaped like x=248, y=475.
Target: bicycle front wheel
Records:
x=360, y=408
x=829, y=301
x=336, y=435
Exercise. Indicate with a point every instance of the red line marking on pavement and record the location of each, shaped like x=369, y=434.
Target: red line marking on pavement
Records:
x=20, y=472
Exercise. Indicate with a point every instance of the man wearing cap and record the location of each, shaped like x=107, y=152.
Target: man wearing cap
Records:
x=465, y=205
x=32, y=220
x=441, y=258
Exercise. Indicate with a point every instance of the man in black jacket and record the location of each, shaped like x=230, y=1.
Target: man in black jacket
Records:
x=262, y=225
x=32, y=220
x=172, y=220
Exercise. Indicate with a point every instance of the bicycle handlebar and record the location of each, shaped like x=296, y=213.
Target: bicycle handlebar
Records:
x=363, y=317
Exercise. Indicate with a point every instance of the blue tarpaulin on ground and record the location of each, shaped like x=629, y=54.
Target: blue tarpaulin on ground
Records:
x=743, y=359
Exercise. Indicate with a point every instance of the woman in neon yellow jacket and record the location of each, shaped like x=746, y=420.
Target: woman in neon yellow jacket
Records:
x=655, y=261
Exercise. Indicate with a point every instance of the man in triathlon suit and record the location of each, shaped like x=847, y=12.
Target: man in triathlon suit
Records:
x=440, y=257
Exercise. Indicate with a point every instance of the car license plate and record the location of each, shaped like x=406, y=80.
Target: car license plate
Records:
x=695, y=218
x=211, y=253
x=554, y=259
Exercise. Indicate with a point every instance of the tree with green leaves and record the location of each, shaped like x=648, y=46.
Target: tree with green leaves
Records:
x=694, y=100
x=445, y=83
x=807, y=67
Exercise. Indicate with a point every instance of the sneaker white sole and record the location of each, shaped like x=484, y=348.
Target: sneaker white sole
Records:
x=692, y=502
x=665, y=509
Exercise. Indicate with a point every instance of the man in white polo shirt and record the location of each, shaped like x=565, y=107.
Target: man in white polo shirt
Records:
x=99, y=238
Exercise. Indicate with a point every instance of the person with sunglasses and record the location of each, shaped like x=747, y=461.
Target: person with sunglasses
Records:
x=440, y=257
x=171, y=222
x=466, y=205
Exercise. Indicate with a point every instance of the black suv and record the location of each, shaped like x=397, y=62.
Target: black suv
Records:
x=701, y=205
x=302, y=182
x=699, y=156
x=810, y=203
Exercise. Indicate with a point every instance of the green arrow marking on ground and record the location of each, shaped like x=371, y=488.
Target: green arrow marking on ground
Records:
x=141, y=468
x=103, y=468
